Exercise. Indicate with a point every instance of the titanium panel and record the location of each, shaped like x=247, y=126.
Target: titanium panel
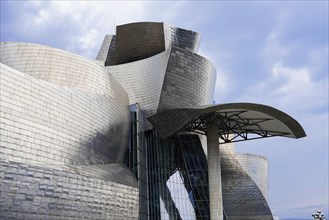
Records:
x=181, y=38
x=104, y=50
x=61, y=192
x=46, y=123
x=242, y=198
x=56, y=66
x=257, y=167
x=137, y=41
x=189, y=81
x=142, y=80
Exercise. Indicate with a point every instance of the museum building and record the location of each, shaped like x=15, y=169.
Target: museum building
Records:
x=130, y=135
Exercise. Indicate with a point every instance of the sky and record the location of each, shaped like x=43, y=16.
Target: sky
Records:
x=269, y=52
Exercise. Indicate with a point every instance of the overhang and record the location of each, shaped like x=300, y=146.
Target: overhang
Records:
x=236, y=121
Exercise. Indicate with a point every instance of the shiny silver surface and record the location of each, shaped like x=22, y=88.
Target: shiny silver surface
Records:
x=174, y=77
x=56, y=66
x=257, y=167
x=142, y=80
x=242, y=197
x=66, y=192
x=189, y=81
x=44, y=122
x=181, y=38
x=104, y=50
x=64, y=133
x=137, y=41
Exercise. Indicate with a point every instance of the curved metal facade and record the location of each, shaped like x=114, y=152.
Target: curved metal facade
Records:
x=189, y=81
x=158, y=66
x=257, y=167
x=56, y=192
x=44, y=122
x=181, y=38
x=242, y=197
x=56, y=66
x=60, y=119
x=143, y=80
x=137, y=41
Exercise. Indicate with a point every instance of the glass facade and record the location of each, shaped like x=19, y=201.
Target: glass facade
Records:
x=172, y=174
x=137, y=158
x=178, y=177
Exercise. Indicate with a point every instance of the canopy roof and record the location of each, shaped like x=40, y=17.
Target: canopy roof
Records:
x=236, y=121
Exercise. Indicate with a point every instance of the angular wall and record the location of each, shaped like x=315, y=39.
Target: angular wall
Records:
x=143, y=80
x=137, y=41
x=160, y=69
x=189, y=81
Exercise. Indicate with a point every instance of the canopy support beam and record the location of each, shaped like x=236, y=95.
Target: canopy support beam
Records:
x=214, y=172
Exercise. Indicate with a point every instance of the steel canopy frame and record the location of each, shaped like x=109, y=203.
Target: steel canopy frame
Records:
x=236, y=121
x=233, y=127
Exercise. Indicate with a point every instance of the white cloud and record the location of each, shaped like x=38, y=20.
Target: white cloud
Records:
x=292, y=88
x=80, y=26
x=290, y=85
x=273, y=49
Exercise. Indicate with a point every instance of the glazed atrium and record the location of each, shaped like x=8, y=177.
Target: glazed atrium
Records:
x=129, y=135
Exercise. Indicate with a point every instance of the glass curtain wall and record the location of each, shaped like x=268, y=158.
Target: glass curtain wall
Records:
x=172, y=174
x=177, y=177
x=137, y=159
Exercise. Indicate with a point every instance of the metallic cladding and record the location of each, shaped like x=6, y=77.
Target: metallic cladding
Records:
x=56, y=66
x=61, y=192
x=59, y=132
x=257, y=167
x=143, y=80
x=189, y=81
x=47, y=123
x=104, y=50
x=181, y=38
x=172, y=79
x=242, y=198
x=137, y=41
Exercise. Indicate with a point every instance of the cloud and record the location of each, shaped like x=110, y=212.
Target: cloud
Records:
x=295, y=72
x=80, y=26
x=292, y=88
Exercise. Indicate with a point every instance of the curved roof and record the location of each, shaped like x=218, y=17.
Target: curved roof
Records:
x=236, y=121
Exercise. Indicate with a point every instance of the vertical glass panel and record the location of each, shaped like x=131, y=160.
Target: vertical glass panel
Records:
x=180, y=196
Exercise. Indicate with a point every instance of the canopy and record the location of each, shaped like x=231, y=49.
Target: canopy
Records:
x=236, y=121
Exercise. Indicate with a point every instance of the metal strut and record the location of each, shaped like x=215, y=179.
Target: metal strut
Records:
x=233, y=127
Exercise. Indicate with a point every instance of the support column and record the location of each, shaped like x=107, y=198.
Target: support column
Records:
x=214, y=173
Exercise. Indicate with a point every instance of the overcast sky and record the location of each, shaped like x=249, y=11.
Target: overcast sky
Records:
x=274, y=53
